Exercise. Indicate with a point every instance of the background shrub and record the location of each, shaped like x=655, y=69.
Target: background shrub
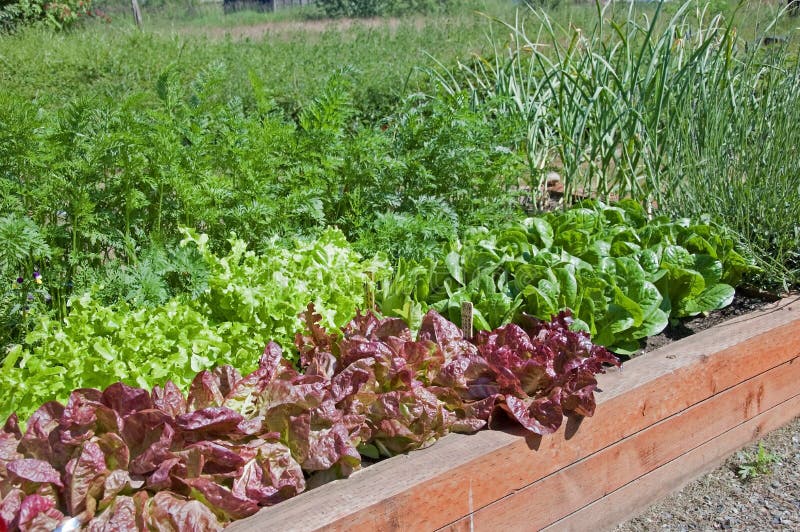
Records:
x=54, y=14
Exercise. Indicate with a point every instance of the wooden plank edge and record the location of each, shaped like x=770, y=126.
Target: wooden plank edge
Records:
x=780, y=319
x=337, y=503
x=665, y=392
x=590, y=478
x=634, y=498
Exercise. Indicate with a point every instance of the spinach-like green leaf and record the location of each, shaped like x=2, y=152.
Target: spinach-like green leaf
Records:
x=622, y=275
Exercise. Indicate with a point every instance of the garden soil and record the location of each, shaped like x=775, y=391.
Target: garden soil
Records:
x=742, y=304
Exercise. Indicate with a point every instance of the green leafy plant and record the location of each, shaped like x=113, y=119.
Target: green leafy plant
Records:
x=670, y=106
x=23, y=294
x=55, y=15
x=758, y=464
x=622, y=275
x=98, y=190
x=248, y=300
x=234, y=444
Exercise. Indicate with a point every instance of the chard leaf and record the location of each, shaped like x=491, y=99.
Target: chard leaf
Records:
x=716, y=297
x=540, y=233
x=453, y=263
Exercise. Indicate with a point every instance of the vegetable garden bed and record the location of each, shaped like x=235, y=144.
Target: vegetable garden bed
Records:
x=669, y=416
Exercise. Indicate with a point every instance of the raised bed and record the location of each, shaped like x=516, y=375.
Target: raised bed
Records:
x=667, y=417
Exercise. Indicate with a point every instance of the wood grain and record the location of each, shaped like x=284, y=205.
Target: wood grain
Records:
x=434, y=487
x=633, y=498
x=589, y=479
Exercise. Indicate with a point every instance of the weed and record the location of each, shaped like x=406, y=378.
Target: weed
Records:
x=758, y=464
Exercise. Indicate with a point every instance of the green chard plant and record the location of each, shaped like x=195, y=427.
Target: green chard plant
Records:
x=622, y=275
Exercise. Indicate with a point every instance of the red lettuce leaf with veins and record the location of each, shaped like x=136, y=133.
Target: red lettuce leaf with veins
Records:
x=148, y=436
x=270, y=477
x=537, y=373
x=85, y=475
x=34, y=506
x=36, y=441
x=158, y=451
x=205, y=391
x=9, y=441
x=219, y=458
x=223, y=502
x=446, y=335
x=211, y=420
x=120, y=515
x=401, y=421
x=316, y=341
x=167, y=511
x=116, y=453
x=320, y=441
x=118, y=482
x=542, y=415
x=10, y=506
x=79, y=414
x=126, y=400
x=162, y=477
x=169, y=399
x=34, y=471
x=11, y=426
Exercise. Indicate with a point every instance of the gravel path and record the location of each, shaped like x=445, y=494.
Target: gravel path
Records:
x=720, y=500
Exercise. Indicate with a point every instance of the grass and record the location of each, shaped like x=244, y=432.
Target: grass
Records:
x=116, y=60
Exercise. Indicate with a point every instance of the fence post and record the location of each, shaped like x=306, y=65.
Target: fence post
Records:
x=137, y=13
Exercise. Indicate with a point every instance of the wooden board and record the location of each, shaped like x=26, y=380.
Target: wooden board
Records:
x=633, y=498
x=460, y=475
x=587, y=480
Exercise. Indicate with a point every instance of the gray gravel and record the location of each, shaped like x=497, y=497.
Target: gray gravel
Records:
x=720, y=500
